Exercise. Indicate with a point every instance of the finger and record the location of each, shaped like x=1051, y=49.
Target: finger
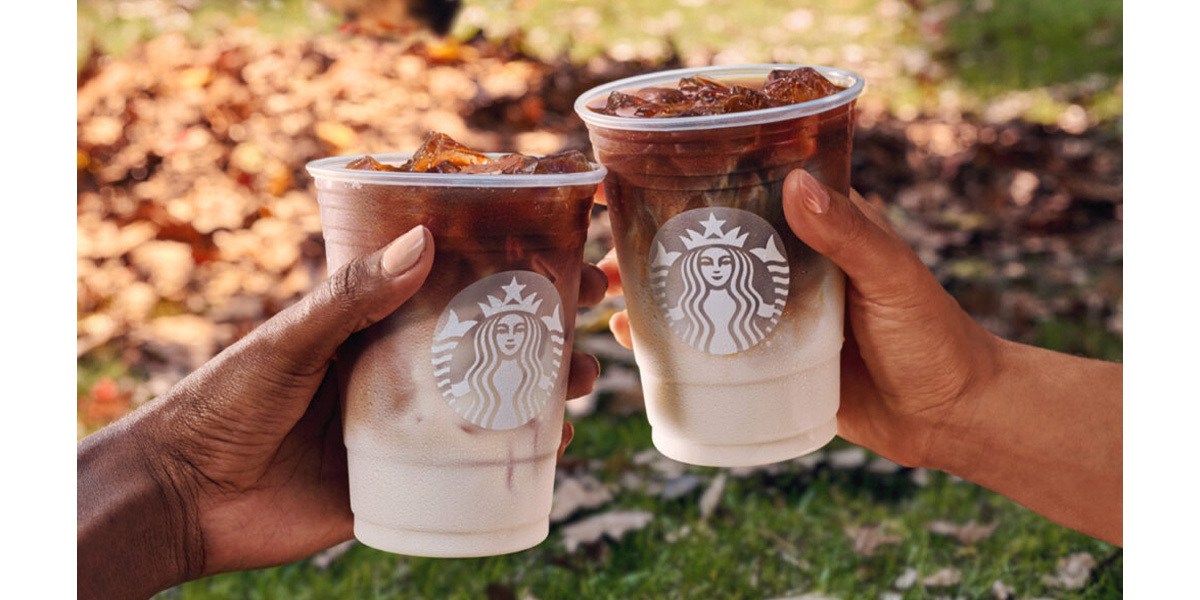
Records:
x=619, y=325
x=303, y=337
x=871, y=212
x=568, y=434
x=612, y=270
x=585, y=369
x=878, y=262
x=592, y=285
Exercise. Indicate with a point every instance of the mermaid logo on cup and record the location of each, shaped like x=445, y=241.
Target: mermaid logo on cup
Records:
x=720, y=277
x=498, y=347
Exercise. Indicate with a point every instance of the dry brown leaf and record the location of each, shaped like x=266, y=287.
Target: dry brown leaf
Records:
x=712, y=496
x=919, y=476
x=944, y=577
x=576, y=493
x=166, y=265
x=666, y=467
x=848, y=458
x=678, y=487
x=966, y=533
x=326, y=557
x=868, y=538
x=338, y=136
x=882, y=466
x=613, y=525
x=907, y=579
x=1073, y=571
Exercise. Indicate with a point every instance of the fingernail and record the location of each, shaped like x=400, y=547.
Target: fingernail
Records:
x=816, y=199
x=404, y=251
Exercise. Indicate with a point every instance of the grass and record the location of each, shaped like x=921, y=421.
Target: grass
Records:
x=773, y=536
x=1021, y=44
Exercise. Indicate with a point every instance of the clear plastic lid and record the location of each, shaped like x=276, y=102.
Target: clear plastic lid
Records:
x=851, y=81
x=334, y=169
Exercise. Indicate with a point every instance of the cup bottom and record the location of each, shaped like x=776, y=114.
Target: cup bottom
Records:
x=747, y=455
x=449, y=544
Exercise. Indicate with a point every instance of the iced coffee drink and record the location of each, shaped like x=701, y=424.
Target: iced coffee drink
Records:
x=453, y=405
x=737, y=325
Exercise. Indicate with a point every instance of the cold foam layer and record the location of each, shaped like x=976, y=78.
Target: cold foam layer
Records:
x=449, y=510
x=717, y=425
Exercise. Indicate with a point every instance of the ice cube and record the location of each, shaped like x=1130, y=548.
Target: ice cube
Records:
x=801, y=85
x=567, y=161
x=440, y=148
x=512, y=164
x=367, y=163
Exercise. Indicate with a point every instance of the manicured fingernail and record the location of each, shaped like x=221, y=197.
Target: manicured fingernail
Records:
x=404, y=252
x=816, y=199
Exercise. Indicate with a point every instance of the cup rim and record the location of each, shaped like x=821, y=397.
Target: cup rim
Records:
x=333, y=168
x=853, y=83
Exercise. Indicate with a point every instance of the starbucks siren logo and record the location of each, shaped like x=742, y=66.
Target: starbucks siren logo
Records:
x=720, y=277
x=498, y=349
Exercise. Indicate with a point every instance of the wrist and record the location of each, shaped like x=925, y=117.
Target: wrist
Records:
x=138, y=530
x=955, y=438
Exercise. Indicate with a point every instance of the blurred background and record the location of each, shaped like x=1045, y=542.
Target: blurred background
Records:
x=990, y=132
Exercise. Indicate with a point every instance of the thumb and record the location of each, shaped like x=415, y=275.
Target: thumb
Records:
x=304, y=336
x=856, y=238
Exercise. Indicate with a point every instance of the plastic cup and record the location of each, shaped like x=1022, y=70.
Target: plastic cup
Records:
x=737, y=324
x=453, y=405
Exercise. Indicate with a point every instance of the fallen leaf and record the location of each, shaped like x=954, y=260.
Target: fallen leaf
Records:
x=106, y=402
x=166, y=265
x=966, y=533
x=882, y=466
x=678, y=487
x=573, y=494
x=712, y=496
x=868, y=538
x=613, y=525
x=337, y=135
x=769, y=469
x=1001, y=591
x=906, y=580
x=848, y=458
x=944, y=577
x=674, y=536
x=811, y=460
x=1073, y=571
x=326, y=557
x=919, y=476
x=667, y=467
x=633, y=481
